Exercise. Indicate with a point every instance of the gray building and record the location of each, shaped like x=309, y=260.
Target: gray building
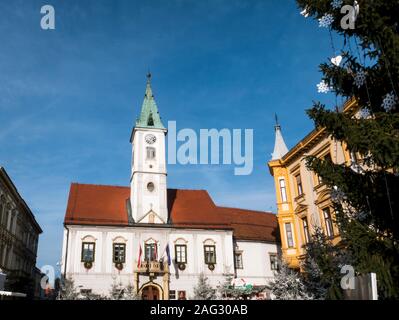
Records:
x=19, y=236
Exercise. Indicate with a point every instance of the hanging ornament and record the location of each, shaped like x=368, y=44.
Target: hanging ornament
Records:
x=305, y=12
x=389, y=101
x=364, y=113
x=336, y=4
x=326, y=20
x=360, y=78
x=323, y=87
x=357, y=9
x=336, y=61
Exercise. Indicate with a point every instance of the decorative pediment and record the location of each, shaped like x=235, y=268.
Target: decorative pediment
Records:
x=151, y=217
x=180, y=241
x=323, y=196
x=119, y=239
x=89, y=238
x=300, y=208
x=210, y=242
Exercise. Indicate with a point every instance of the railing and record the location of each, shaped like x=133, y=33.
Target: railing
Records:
x=153, y=267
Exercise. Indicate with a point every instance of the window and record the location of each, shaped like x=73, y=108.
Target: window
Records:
x=150, y=153
x=88, y=251
x=290, y=239
x=150, y=251
x=299, y=184
x=182, y=295
x=172, y=294
x=306, y=229
x=353, y=156
x=238, y=260
x=274, y=262
x=5, y=218
x=327, y=158
x=210, y=254
x=181, y=253
x=150, y=186
x=283, y=190
x=328, y=222
x=85, y=291
x=1, y=212
x=150, y=121
x=119, y=252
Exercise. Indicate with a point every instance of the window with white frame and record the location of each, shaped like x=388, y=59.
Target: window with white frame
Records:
x=150, y=153
x=210, y=254
x=119, y=252
x=181, y=253
x=288, y=232
x=172, y=294
x=328, y=222
x=306, y=229
x=283, y=190
x=298, y=181
x=151, y=251
x=88, y=251
x=238, y=260
x=274, y=265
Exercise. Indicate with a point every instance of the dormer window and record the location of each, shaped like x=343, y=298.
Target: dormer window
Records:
x=150, y=121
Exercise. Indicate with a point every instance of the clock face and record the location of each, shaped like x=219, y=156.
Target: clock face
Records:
x=150, y=138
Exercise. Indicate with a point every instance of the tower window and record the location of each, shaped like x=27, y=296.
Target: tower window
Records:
x=150, y=187
x=150, y=121
x=150, y=153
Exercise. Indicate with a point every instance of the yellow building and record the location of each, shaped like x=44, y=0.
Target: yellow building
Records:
x=303, y=201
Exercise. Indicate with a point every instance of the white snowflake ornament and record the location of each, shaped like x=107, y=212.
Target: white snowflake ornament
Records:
x=305, y=12
x=336, y=60
x=389, y=101
x=326, y=20
x=336, y=4
x=323, y=87
x=364, y=113
x=360, y=78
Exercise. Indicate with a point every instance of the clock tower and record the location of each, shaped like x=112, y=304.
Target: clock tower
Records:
x=148, y=197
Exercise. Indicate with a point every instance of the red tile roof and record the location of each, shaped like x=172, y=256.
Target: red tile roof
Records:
x=108, y=205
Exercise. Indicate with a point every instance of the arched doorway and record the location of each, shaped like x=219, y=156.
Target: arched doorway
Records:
x=150, y=292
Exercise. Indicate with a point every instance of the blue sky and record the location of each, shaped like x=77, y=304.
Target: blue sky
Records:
x=69, y=97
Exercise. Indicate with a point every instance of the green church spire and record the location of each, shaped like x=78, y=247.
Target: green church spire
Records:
x=149, y=117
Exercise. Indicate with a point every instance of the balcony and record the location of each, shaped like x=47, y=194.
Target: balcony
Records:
x=153, y=267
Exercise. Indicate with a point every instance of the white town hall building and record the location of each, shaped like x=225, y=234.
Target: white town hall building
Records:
x=160, y=240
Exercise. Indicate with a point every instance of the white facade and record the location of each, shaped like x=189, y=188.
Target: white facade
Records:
x=257, y=268
x=99, y=279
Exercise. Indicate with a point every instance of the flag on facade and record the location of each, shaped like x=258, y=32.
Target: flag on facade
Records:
x=139, y=260
x=168, y=254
